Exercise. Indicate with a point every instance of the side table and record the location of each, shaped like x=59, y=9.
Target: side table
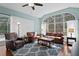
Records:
x=70, y=38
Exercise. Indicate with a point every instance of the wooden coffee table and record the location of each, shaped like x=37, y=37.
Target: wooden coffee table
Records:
x=45, y=41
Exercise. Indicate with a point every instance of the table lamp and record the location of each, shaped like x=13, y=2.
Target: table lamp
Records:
x=71, y=30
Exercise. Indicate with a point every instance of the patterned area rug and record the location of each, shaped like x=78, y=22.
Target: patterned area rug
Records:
x=34, y=49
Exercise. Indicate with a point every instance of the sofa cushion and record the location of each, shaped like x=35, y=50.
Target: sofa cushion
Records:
x=57, y=37
x=59, y=34
x=49, y=34
x=13, y=36
x=54, y=34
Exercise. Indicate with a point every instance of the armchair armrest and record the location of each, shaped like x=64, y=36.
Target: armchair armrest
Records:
x=19, y=39
x=10, y=44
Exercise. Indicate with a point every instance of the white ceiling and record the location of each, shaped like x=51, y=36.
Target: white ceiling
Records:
x=39, y=11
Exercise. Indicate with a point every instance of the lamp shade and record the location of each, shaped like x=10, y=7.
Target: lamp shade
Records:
x=18, y=23
x=71, y=29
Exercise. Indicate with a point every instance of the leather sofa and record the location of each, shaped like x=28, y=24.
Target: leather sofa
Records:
x=13, y=42
x=57, y=36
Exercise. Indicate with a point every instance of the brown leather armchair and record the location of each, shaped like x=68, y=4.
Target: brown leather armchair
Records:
x=13, y=42
x=30, y=36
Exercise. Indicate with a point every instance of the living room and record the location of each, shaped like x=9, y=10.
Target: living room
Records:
x=25, y=31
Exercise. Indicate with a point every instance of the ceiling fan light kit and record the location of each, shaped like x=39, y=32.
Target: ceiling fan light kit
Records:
x=32, y=5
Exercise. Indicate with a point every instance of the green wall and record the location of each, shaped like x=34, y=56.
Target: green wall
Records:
x=38, y=26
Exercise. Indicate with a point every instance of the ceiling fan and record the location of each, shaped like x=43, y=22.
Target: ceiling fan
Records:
x=32, y=5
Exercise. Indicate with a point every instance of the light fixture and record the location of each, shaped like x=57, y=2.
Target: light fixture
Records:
x=18, y=25
x=31, y=4
x=18, y=22
x=71, y=30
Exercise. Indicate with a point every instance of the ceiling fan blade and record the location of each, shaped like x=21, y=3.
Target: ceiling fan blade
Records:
x=25, y=5
x=33, y=7
x=38, y=4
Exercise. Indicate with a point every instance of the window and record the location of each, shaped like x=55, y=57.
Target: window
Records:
x=59, y=18
x=58, y=23
x=69, y=17
x=51, y=27
x=4, y=25
x=51, y=20
x=59, y=27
